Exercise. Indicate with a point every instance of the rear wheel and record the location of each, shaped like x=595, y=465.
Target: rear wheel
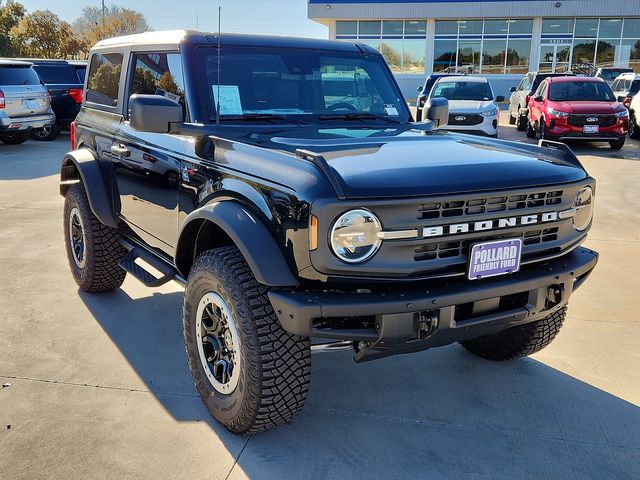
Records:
x=529, y=130
x=46, y=134
x=93, y=249
x=617, y=144
x=521, y=123
x=634, y=129
x=519, y=341
x=542, y=129
x=512, y=119
x=16, y=138
x=251, y=374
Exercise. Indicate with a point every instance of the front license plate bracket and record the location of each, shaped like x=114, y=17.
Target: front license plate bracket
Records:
x=497, y=257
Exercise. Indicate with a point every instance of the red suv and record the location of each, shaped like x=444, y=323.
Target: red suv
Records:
x=577, y=108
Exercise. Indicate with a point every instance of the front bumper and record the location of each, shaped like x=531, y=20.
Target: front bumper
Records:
x=407, y=320
x=488, y=127
x=558, y=128
x=16, y=124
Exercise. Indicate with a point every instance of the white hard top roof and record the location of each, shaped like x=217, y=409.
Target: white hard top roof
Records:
x=166, y=38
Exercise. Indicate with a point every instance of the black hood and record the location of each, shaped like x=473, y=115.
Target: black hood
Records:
x=392, y=162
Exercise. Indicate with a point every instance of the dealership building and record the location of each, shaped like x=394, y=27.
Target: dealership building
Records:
x=501, y=39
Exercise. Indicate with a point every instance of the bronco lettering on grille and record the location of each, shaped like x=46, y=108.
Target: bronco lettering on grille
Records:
x=485, y=225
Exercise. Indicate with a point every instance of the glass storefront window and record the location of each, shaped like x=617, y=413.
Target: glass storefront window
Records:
x=496, y=27
x=518, y=52
x=606, y=53
x=391, y=49
x=557, y=25
x=391, y=28
x=413, y=55
x=415, y=27
x=610, y=28
x=630, y=54
x=346, y=28
x=370, y=28
x=520, y=26
x=631, y=28
x=493, y=56
x=470, y=27
x=444, y=56
x=449, y=27
x=469, y=56
x=584, y=51
x=586, y=28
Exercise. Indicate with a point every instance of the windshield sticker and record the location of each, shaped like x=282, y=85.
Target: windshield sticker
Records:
x=229, y=99
x=391, y=110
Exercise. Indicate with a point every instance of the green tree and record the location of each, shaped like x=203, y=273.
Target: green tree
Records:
x=10, y=15
x=168, y=84
x=43, y=34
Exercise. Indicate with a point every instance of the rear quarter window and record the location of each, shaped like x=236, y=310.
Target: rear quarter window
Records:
x=57, y=74
x=104, y=78
x=18, y=76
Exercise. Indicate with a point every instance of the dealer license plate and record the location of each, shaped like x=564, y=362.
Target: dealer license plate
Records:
x=499, y=257
x=591, y=129
x=32, y=104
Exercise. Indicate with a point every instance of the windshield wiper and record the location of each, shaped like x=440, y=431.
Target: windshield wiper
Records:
x=357, y=116
x=257, y=117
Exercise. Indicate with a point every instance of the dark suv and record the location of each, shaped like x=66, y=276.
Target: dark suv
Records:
x=65, y=81
x=291, y=208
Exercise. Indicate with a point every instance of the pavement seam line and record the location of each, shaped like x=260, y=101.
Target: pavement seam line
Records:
x=235, y=462
x=103, y=387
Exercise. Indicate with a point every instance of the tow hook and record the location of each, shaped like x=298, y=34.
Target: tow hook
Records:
x=426, y=323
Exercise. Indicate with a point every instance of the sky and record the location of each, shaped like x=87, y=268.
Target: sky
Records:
x=268, y=17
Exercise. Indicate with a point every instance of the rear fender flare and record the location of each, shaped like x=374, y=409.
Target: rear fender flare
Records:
x=82, y=166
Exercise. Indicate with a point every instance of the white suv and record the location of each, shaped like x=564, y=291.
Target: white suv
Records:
x=472, y=106
x=625, y=87
x=634, y=117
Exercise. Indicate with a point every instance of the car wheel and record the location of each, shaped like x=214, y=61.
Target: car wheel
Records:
x=418, y=114
x=617, y=144
x=521, y=123
x=519, y=341
x=542, y=129
x=46, y=134
x=16, y=138
x=251, y=374
x=512, y=119
x=529, y=130
x=634, y=130
x=93, y=249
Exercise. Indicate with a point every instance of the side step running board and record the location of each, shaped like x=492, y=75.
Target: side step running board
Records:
x=129, y=265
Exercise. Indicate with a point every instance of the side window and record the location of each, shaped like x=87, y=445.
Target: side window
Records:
x=158, y=74
x=104, y=78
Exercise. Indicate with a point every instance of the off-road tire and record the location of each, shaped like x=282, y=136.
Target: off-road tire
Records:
x=529, y=130
x=519, y=341
x=512, y=119
x=16, y=138
x=46, y=134
x=634, y=129
x=103, y=252
x=275, y=366
x=617, y=144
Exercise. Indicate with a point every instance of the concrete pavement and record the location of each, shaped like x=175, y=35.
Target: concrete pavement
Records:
x=100, y=386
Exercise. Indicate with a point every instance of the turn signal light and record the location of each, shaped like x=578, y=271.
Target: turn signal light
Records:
x=313, y=233
x=72, y=134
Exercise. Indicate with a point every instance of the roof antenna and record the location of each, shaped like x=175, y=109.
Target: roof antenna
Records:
x=219, y=33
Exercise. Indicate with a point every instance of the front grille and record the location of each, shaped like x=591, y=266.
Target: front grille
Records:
x=465, y=119
x=460, y=248
x=479, y=206
x=602, y=120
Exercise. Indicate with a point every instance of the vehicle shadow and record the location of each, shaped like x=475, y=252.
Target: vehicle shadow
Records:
x=438, y=414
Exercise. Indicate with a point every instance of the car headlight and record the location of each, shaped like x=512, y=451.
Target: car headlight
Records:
x=557, y=113
x=354, y=236
x=584, y=208
x=489, y=113
x=622, y=113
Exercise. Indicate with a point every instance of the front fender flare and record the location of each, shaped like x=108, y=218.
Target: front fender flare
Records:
x=250, y=235
x=82, y=166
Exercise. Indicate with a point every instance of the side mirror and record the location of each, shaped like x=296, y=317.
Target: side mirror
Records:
x=622, y=98
x=437, y=110
x=154, y=113
x=419, y=88
x=512, y=89
x=500, y=98
x=538, y=99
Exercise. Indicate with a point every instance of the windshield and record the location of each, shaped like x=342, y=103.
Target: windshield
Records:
x=10, y=75
x=580, y=91
x=611, y=73
x=479, y=91
x=272, y=81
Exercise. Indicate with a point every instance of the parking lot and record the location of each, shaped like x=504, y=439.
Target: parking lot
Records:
x=97, y=386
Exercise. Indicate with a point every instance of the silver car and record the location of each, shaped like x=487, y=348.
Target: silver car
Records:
x=24, y=102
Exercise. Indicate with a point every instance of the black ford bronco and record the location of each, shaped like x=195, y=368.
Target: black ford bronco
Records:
x=285, y=184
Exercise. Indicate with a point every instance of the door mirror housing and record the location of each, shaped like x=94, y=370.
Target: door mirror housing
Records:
x=419, y=88
x=437, y=110
x=621, y=98
x=512, y=89
x=500, y=98
x=154, y=113
x=538, y=99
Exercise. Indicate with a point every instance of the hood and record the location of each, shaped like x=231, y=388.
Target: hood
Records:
x=587, y=108
x=401, y=162
x=470, y=106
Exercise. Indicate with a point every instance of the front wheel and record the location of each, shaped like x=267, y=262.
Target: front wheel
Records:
x=519, y=341
x=521, y=123
x=16, y=138
x=634, y=130
x=617, y=144
x=251, y=374
x=512, y=119
x=529, y=130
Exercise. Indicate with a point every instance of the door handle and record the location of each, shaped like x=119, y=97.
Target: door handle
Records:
x=120, y=151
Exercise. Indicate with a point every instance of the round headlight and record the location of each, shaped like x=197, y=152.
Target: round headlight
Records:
x=354, y=236
x=584, y=208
